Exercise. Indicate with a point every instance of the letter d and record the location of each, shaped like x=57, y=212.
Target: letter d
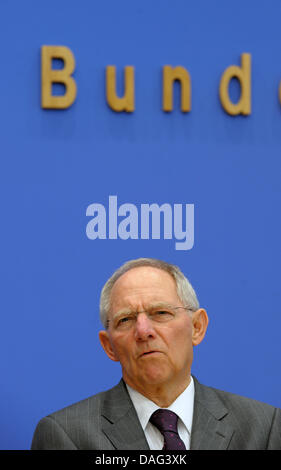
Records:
x=243, y=74
x=143, y=459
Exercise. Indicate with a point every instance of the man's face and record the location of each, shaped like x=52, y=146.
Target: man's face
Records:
x=150, y=353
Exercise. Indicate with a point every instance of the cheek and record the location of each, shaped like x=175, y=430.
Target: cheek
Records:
x=182, y=340
x=122, y=348
x=183, y=331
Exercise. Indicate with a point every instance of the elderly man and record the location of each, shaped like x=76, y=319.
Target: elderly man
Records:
x=152, y=320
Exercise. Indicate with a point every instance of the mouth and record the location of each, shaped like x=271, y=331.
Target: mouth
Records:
x=149, y=353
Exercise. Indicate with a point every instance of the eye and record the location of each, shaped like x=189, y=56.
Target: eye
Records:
x=162, y=315
x=124, y=321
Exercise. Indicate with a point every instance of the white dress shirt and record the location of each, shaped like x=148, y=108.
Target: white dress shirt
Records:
x=182, y=406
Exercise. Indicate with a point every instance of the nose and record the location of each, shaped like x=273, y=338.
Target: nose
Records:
x=143, y=328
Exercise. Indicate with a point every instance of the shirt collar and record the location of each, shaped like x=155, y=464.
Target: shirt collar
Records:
x=182, y=406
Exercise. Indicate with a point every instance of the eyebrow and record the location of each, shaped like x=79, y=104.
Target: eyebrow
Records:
x=125, y=311
x=129, y=311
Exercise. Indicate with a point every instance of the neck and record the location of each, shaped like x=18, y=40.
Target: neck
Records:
x=160, y=394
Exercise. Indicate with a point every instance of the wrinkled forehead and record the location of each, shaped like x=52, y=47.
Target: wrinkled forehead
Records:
x=143, y=286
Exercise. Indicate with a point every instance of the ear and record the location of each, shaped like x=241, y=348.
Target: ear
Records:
x=106, y=344
x=200, y=322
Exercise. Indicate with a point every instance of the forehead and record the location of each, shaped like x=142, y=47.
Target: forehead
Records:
x=142, y=286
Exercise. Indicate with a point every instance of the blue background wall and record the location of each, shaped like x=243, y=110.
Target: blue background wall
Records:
x=55, y=163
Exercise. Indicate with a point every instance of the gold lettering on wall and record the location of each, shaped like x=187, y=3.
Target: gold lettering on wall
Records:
x=127, y=102
x=243, y=74
x=50, y=76
x=169, y=76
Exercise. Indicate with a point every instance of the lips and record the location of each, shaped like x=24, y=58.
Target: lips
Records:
x=148, y=353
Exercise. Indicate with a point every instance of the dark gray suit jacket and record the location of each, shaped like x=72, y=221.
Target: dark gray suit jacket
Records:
x=108, y=421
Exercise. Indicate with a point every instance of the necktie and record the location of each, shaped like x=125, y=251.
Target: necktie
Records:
x=167, y=423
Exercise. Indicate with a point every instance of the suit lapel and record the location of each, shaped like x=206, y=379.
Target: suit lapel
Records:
x=120, y=422
x=210, y=428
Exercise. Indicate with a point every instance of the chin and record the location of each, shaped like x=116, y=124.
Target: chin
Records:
x=154, y=376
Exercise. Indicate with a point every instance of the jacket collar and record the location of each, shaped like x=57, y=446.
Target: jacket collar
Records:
x=211, y=429
x=120, y=422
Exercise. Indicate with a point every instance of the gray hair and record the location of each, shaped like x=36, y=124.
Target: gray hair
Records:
x=185, y=290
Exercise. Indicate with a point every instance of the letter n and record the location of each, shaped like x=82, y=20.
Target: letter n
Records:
x=243, y=74
x=127, y=102
x=169, y=76
x=50, y=76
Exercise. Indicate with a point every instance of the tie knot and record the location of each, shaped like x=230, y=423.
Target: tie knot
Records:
x=165, y=420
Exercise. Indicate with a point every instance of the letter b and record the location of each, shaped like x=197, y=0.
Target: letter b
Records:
x=50, y=76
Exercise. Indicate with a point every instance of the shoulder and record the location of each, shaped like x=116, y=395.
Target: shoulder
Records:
x=77, y=426
x=237, y=404
x=85, y=408
x=248, y=423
